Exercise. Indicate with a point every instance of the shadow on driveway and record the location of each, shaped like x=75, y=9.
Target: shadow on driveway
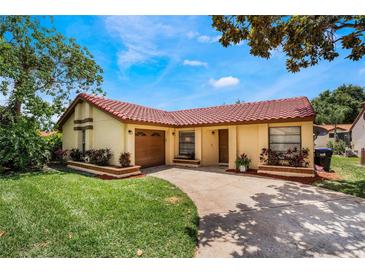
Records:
x=280, y=227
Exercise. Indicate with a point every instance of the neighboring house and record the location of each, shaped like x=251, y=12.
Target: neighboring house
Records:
x=358, y=132
x=212, y=135
x=328, y=134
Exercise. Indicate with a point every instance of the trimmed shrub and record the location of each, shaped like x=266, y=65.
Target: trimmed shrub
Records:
x=21, y=147
x=99, y=157
x=125, y=159
x=54, y=143
x=76, y=155
x=60, y=155
x=338, y=147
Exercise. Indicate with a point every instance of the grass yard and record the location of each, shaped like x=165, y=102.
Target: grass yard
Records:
x=60, y=214
x=353, y=176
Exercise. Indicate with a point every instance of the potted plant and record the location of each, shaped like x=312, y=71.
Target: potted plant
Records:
x=243, y=162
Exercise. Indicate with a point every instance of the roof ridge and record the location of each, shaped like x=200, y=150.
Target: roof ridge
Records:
x=197, y=108
x=245, y=103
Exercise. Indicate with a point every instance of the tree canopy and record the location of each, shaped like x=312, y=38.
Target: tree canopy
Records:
x=39, y=68
x=341, y=105
x=305, y=40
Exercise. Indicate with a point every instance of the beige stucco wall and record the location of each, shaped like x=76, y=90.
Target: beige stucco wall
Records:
x=358, y=135
x=109, y=132
x=69, y=137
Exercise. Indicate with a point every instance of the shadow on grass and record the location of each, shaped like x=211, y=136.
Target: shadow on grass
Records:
x=50, y=169
x=356, y=188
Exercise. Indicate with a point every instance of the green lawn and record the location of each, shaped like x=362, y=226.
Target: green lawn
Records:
x=59, y=214
x=353, y=175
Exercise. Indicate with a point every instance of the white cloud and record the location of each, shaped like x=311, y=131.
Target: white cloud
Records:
x=195, y=63
x=140, y=36
x=208, y=39
x=224, y=82
x=192, y=34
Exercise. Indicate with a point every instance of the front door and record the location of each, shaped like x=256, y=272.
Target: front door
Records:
x=223, y=146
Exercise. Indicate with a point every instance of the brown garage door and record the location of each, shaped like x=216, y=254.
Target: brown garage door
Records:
x=149, y=147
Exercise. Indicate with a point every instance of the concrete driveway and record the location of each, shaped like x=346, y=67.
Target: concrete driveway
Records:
x=246, y=216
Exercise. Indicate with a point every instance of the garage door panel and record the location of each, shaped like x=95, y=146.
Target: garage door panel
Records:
x=149, y=147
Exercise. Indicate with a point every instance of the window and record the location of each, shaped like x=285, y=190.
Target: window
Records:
x=187, y=143
x=331, y=135
x=283, y=138
x=83, y=140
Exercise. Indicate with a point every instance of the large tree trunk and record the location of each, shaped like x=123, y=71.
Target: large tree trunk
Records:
x=17, y=108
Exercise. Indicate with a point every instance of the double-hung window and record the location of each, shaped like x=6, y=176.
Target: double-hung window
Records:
x=187, y=143
x=283, y=138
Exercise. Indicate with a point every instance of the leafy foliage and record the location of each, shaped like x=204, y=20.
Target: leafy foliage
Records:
x=338, y=147
x=54, y=144
x=76, y=155
x=292, y=157
x=99, y=157
x=341, y=105
x=21, y=147
x=304, y=39
x=125, y=159
x=39, y=67
x=243, y=160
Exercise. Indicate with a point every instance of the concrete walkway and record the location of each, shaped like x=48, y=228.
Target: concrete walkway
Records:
x=246, y=216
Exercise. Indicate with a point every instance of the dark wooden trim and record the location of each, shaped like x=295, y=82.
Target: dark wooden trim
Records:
x=84, y=127
x=106, y=169
x=303, y=170
x=86, y=120
x=186, y=161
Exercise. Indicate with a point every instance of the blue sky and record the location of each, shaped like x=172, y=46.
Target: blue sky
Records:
x=175, y=62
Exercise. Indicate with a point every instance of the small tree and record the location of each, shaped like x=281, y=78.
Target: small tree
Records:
x=39, y=67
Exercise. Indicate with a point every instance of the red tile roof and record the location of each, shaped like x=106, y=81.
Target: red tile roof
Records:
x=345, y=127
x=291, y=108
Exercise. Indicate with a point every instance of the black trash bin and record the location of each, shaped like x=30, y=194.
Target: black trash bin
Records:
x=322, y=157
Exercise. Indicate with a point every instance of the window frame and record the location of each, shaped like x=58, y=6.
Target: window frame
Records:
x=193, y=143
x=300, y=137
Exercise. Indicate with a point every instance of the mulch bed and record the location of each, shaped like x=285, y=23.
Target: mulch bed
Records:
x=320, y=175
x=108, y=177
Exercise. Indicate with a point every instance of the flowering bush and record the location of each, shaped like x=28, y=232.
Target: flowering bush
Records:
x=292, y=157
x=125, y=159
x=99, y=157
x=76, y=155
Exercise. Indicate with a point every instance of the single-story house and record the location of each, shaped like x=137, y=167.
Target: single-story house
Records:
x=211, y=135
x=358, y=132
x=326, y=133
